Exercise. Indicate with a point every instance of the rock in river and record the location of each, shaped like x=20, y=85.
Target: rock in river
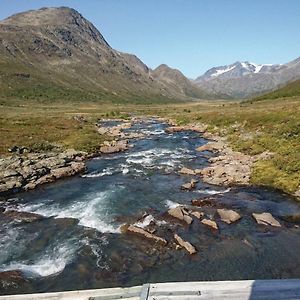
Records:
x=114, y=147
x=22, y=216
x=146, y=234
x=187, y=171
x=180, y=214
x=189, y=247
x=266, y=219
x=11, y=280
x=197, y=214
x=204, y=202
x=210, y=223
x=23, y=172
x=190, y=185
x=228, y=216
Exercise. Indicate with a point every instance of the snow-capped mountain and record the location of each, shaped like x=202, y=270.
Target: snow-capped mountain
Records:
x=236, y=70
x=246, y=79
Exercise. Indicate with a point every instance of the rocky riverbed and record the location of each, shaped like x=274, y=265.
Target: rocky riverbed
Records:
x=24, y=171
x=147, y=212
x=27, y=171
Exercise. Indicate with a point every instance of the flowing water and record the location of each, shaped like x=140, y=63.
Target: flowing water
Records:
x=78, y=244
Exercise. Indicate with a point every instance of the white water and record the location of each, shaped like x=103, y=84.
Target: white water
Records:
x=91, y=211
x=51, y=262
x=145, y=221
x=213, y=192
x=171, y=204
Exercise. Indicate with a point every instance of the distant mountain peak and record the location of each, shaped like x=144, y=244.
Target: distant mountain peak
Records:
x=65, y=50
x=236, y=70
x=45, y=16
x=245, y=79
x=63, y=18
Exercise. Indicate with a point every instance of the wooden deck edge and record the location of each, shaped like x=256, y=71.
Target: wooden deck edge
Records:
x=242, y=289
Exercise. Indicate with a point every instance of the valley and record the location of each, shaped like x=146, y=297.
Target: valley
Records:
x=113, y=173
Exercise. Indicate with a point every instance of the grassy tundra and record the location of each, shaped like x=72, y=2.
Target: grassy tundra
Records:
x=251, y=127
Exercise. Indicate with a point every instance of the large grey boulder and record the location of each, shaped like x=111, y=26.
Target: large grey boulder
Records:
x=139, y=231
x=180, y=214
x=228, y=216
x=188, y=246
x=266, y=219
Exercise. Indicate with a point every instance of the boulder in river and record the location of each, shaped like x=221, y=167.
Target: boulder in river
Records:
x=11, y=280
x=197, y=214
x=173, y=129
x=23, y=172
x=294, y=218
x=22, y=216
x=114, y=147
x=266, y=219
x=228, y=216
x=188, y=246
x=187, y=171
x=74, y=168
x=210, y=223
x=146, y=234
x=204, y=202
x=190, y=185
x=193, y=127
x=179, y=213
x=213, y=146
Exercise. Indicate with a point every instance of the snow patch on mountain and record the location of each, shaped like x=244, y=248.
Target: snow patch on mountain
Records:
x=222, y=71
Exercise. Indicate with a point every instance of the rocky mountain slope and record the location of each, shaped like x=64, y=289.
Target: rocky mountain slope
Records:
x=292, y=89
x=244, y=79
x=179, y=83
x=55, y=53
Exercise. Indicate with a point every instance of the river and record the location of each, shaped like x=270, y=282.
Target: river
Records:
x=78, y=243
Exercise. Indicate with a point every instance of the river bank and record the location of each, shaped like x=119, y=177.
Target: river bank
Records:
x=143, y=215
x=25, y=172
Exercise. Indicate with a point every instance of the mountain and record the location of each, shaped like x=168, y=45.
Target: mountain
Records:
x=292, y=89
x=179, y=83
x=236, y=70
x=245, y=79
x=55, y=53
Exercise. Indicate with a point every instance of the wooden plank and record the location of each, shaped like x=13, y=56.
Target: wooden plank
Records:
x=145, y=291
x=217, y=290
x=112, y=293
x=249, y=289
x=194, y=287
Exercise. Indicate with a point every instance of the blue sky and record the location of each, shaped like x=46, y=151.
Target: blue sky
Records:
x=191, y=35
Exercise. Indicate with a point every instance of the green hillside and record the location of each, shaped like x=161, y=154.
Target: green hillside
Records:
x=292, y=89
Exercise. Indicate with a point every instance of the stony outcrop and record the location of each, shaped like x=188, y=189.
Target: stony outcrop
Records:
x=114, y=146
x=12, y=280
x=187, y=171
x=210, y=223
x=210, y=202
x=228, y=216
x=198, y=127
x=24, y=172
x=297, y=193
x=22, y=216
x=197, y=214
x=113, y=131
x=188, y=246
x=230, y=167
x=139, y=231
x=266, y=219
x=181, y=214
x=189, y=185
x=212, y=146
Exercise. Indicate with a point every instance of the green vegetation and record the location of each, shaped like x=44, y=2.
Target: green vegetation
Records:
x=255, y=128
x=46, y=128
x=251, y=128
x=290, y=90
